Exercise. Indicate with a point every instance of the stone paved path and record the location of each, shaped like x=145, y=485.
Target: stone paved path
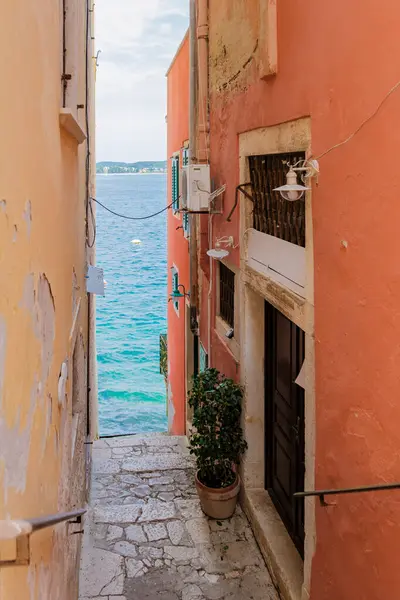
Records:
x=146, y=537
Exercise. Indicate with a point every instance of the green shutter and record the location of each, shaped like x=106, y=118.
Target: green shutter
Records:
x=175, y=281
x=185, y=223
x=203, y=358
x=175, y=288
x=175, y=183
x=185, y=218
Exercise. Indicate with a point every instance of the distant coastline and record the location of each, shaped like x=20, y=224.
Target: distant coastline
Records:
x=142, y=167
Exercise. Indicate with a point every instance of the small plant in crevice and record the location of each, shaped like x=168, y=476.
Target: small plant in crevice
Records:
x=217, y=441
x=224, y=550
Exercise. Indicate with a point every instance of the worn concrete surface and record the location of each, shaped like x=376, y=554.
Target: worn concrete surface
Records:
x=146, y=537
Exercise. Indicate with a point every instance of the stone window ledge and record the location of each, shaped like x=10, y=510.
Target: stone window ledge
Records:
x=222, y=328
x=69, y=123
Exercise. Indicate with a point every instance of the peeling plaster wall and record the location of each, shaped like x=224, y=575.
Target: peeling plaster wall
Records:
x=43, y=303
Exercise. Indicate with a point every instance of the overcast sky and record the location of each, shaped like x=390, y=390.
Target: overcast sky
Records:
x=138, y=40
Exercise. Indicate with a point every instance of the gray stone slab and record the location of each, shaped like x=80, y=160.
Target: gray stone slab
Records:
x=191, y=592
x=124, y=441
x=156, y=531
x=157, y=511
x=101, y=443
x=134, y=567
x=125, y=549
x=135, y=533
x=161, y=481
x=142, y=491
x=101, y=570
x=117, y=513
x=114, y=533
x=105, y=466
x=181, y=553
x=162, y=440
x=176, y=531
x=118, y=451
x=190, y=509
x=101, y=454
x=161, y=462
x=199, y=530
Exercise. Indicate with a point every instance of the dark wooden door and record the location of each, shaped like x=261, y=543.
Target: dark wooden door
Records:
x=284, y=402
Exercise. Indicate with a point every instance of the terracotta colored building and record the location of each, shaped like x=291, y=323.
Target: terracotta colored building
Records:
x=47, y=343
x=303, y=310
x=180, y=337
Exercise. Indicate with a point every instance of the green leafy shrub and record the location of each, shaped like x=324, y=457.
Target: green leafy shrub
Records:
x=217, y=440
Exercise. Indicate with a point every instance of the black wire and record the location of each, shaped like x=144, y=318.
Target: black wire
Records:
x=132, y=218
x=94, y=225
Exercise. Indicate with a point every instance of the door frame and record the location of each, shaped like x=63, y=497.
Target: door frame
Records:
x=269, y=379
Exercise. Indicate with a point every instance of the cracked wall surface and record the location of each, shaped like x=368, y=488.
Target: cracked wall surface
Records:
x=43, y=304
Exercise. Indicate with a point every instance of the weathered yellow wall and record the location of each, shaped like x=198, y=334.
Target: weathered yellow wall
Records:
x=42, y=267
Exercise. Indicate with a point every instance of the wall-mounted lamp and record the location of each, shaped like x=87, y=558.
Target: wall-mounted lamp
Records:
x=176, y=294
x=292, y=190
x=219, y=252
x=97, y=57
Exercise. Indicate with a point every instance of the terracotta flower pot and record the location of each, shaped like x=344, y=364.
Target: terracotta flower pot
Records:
x=218, y=503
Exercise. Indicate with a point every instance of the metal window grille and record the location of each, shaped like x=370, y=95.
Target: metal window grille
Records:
x=271, y=213
x=227, y=294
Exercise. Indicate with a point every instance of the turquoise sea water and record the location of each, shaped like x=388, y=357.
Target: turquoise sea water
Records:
x=132, y=394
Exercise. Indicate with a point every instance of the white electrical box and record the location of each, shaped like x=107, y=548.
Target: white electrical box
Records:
x=196, y=188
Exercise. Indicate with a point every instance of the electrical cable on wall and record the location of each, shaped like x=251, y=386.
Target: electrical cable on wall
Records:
x=350, y=137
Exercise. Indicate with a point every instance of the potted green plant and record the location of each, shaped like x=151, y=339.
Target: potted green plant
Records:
x=216, y=441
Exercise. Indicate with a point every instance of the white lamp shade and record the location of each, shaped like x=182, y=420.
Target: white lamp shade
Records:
x=291, y=191
x=217, y=253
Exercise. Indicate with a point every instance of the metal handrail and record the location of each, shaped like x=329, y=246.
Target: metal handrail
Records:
x=50, y=520
x=354, y=490
x=21, y=531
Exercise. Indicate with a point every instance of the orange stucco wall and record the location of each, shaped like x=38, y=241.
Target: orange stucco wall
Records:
x=335, y=64
x=43, y=302
x=178, y=245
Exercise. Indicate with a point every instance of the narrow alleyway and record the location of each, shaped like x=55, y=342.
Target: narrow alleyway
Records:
x=147, y=539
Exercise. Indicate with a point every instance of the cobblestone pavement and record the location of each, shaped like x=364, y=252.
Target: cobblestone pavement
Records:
x=146, y=537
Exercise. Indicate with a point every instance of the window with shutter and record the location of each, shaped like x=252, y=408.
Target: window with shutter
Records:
x=227, y=294
x=203, y=358
x=175, y=288
x=185, y=217
x=186, y=225
x=175, y=183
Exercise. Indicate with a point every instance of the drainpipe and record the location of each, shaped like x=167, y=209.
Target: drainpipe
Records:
x=204, y=125
x=193, y=160
x=203, y=136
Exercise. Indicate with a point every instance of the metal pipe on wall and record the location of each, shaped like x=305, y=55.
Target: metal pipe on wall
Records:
x=203, y=138
x=193, y=158
x=203, y=113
